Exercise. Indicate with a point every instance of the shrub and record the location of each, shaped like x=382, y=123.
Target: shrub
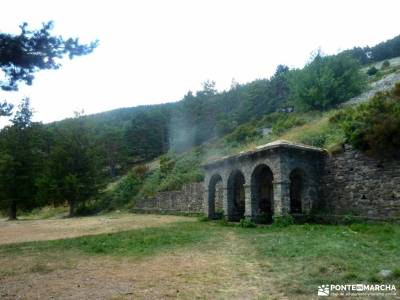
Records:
x=87, y=209
x=372, y=71
x=203, y=218
x=224, y=221
x=374, y=127
x=243, y=133
x=283, y=221
x=167, y=164
x=348, y=219
x=385, y=64
x=246, y=223
x=141, y=170
x=286, y=122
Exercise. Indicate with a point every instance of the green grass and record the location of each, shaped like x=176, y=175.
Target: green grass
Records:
x=297, y=257
x=310, y=255
x=47, y=212
x=133, y=243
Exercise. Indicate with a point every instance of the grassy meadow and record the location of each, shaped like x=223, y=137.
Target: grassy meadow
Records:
x=210, y=260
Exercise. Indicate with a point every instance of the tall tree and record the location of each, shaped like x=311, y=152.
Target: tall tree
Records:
x=73, y=171
x=326, y=81
x=19, y=158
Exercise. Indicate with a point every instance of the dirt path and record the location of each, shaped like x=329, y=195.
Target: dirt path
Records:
x=223, y=269
x=39, y=230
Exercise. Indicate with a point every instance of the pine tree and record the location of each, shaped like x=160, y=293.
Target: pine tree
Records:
x=19, y=161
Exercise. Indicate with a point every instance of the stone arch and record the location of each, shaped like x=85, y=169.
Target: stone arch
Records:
x=215, y=196
x=297, y=187
x=236, y=195
x=262, y=193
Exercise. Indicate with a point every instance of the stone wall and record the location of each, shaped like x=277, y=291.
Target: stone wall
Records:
x=355, y=183
x=187, y=200
x=350, y=183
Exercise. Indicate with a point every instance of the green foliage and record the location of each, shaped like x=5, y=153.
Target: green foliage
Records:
x=318, y=132
x=287, y=121
x=134, y=243
x=374, y=126
x=348, y=219
x=384, y=50
x=322, y=253
x=247, y=223
x=23, y=55
x=20, y=161
x=72, y=168
x=372, y=71
x=283, y=221
x=385, y=64
x=243, y=133
x=125, y=190
x=167, y=164
x=203, y=218
x=129, y=186
x=147, y=136
x=186, y=169
x=6, y=109
x=224, y=221
x=326, y=81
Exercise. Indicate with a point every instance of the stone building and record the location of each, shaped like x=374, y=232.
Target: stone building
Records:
x=281, y=178
x=275, y=179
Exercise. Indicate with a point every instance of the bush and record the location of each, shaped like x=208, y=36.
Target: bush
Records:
x=385, y=64
x=246, y=223
x=224, y=221
x=372, y=71
x=348, y=219
x=203, y=218
x=286, y=122
x=167, y=164
x=283, y=221
x=87, y=209
x=374, y=127
x=124, y=191
x=243, y=133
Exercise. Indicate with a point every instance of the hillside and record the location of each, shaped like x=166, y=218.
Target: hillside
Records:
x=328, y=129
x=103, y=159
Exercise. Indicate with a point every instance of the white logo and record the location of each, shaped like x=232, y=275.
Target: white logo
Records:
x=323, y=290
x=359, y=289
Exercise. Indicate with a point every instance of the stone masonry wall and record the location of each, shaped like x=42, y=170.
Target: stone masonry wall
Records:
x=355, y=183
x=187, y=200
x=350, y=183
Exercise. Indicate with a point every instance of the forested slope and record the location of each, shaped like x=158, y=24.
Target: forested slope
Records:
x=296, y=104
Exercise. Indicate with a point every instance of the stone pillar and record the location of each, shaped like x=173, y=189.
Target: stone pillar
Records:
x=309, y=196
x=248, y=203
x=281, y=198
x=208, y=207
x=227, y=203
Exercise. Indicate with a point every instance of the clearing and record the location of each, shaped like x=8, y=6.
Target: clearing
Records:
x=162, y=257
x=53, y=229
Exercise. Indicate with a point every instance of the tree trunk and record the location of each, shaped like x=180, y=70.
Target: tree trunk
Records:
x=71, y=209
x=12, y=214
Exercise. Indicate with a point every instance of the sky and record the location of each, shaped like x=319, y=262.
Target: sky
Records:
x=155, y=51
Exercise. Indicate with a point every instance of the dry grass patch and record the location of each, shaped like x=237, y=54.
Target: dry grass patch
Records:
x=53, y=229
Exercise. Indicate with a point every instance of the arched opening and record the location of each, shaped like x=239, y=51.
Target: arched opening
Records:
x=215, y=196
x=236, y=195
x=262, y=193
x=296, y=191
